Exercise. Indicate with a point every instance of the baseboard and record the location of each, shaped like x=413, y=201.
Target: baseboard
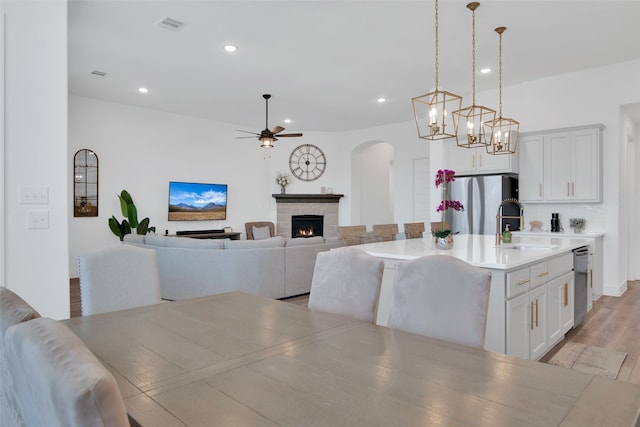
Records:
x=615, y=291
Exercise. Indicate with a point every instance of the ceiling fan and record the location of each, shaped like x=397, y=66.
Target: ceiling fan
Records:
x=268, y=137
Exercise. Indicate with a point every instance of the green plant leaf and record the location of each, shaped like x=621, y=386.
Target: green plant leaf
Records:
x=132, y=215
x=115, y=227
x=143, y=227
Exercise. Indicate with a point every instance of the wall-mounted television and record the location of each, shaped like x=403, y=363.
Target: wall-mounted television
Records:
x=192, y=201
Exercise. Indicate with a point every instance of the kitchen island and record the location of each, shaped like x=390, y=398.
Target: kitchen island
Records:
x=531, y=302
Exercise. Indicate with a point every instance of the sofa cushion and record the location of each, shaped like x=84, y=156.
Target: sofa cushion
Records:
x=261, y=233
x=134, y=238
x=156, y=240
x=300, y=241
x=188, y=242
x=272, y=242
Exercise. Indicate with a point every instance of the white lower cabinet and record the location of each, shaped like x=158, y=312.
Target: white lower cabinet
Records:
x=527, y=324
x=539, y=306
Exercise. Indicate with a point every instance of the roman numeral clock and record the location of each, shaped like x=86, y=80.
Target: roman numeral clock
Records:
x=307, y=162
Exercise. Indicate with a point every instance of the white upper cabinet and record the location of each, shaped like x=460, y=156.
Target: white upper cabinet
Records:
x=562, y=165
x=476, y=161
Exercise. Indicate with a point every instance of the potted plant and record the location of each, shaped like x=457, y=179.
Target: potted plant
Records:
x=130, y=212
x=577, y=224
x=444, y=239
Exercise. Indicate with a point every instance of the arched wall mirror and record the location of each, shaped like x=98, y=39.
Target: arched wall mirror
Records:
x=85, y=183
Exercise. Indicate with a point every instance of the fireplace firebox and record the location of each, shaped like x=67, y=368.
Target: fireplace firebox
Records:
x=306, y=225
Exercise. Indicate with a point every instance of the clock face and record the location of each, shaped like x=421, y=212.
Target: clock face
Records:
x=307, y=162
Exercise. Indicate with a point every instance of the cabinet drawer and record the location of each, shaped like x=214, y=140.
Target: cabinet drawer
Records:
x=560, y=265
x=518, y=282
x=539, y=274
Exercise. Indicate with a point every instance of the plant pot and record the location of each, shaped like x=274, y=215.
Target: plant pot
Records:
x=445, y=243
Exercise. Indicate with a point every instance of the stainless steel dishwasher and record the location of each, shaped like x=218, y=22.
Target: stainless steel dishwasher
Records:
x=581, y=283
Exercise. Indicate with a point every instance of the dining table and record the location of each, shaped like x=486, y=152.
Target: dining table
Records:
x=237, y=359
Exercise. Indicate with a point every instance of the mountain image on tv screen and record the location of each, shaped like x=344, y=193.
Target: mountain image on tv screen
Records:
x=190, y=201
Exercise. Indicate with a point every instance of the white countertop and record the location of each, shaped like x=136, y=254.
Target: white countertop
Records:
x=480, y=250
x=587, y=234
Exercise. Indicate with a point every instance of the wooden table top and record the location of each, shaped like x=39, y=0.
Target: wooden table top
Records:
x=237, y=359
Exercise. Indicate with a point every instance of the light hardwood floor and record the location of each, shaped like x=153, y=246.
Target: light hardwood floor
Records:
x=613, y=323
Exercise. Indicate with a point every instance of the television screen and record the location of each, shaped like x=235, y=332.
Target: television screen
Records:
x=190, y=201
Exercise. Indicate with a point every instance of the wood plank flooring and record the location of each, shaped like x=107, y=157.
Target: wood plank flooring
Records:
x=613, y=323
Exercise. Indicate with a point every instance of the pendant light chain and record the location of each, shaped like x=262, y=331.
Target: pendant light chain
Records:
x=473, y=55
x=500, y=74
x=437, y=63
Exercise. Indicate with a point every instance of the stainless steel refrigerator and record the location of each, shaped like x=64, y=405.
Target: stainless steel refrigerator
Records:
x=481, y=197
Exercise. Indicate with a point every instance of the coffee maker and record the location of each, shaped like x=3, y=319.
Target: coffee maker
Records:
x=555, y=223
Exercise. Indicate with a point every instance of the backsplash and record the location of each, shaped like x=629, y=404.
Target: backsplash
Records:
x=594, y=213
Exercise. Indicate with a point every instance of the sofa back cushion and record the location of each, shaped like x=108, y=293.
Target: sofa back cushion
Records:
x=273, y=242
x=134, y=238
x=302, y=241
x=156, y=240
x=189, y=242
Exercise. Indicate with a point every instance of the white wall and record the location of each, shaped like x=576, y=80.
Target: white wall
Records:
x=35, y=150
x=375, y=177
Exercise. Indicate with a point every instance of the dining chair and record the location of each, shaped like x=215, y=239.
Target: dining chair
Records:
x=118, y=277
x=385, y=232
x=439, y=226
x=347, y=281
x=352, y=235
x=13, y=310
x=59, y=381
x=414, y=230
x=442, y=297
x=259, y=230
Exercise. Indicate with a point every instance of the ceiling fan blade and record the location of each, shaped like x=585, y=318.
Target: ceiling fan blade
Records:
x=246, y=137
x=289, y=135
x=246, y=131
x=277, y=129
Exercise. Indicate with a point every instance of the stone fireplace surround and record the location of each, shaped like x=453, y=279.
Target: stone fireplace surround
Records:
x=307, y=204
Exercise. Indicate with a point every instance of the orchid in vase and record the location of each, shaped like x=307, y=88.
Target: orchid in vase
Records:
x=444, y=177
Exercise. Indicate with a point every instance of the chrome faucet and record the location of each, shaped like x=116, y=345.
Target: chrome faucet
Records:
x=499, y=217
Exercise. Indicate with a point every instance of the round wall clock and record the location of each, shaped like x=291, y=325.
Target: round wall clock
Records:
x=307, y=162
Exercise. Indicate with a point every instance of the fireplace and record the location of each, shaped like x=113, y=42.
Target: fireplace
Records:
x=306, y=225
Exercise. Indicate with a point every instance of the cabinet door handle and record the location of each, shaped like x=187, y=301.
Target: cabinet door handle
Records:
x=591, y=279
x=523, y=282
x=546, y=273
x=540, y=189
x=473, y=161
x=568, y=193
x=536, y=313
x=480, y=160
x=566, y=294
x=573, y=188
x=532, y=315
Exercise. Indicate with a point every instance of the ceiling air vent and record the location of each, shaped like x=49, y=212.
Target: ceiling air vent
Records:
x=171, y=24
x=99, y=73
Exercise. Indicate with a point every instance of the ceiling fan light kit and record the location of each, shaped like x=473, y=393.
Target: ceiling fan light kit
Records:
x=268, y=137
x=474, y=116
x=503, y=131
x=431, y=110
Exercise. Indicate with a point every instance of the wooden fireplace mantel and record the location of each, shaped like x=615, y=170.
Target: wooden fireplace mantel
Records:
x=307, y=198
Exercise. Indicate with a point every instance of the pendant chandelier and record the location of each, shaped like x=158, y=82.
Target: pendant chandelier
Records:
x=475, y=116
x=432, y=110
x=504, y=131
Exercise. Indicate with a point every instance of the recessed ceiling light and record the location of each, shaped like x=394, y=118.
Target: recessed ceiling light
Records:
x=287, y=120
x=485, y=70
x=143, y=90
x=381, y=100
x=230, y=48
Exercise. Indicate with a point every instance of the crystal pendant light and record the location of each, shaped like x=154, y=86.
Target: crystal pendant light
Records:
x=475, y=116
x=504, y=131
x=432, y=110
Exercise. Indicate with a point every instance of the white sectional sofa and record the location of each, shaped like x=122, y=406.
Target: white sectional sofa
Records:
x=275, y=267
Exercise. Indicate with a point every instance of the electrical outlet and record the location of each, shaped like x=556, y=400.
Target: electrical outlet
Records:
x=37, y=220
x=34, y=195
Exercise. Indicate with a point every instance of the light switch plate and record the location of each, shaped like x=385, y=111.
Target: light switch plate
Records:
x=34, y=195
x=37, y=220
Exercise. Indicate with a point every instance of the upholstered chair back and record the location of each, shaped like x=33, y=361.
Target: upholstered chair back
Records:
x=442, y=297
x=347, y=281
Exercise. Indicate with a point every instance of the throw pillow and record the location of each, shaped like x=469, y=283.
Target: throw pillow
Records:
x=260, y=233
